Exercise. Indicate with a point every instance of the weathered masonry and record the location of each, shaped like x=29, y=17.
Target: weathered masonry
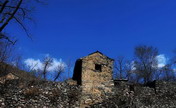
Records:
x=94, y=74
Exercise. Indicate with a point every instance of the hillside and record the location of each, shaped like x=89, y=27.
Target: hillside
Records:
x=20, y=89
x=45, y=94
x=27, y=94
x=157, y=94
x=11, y=71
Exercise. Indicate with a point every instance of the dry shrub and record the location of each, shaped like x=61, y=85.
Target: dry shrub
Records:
x=73, y=95
x=55, y=94
x=31, y=92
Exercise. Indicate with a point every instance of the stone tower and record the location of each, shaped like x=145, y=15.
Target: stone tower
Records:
x=94, y=74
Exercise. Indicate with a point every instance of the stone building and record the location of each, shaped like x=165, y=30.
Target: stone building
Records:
x=94, y=74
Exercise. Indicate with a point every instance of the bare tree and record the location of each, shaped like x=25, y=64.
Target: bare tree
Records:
x=17, y=62
x=60, y=69
x=145, y=62
x=173, y=59
x=47, y=62
x=120, y=67
x=129, y=69
x=68, y=69
x=17, y=11
x=5, y=51
x=168, y=73
x=158, y=74
x=7, y=54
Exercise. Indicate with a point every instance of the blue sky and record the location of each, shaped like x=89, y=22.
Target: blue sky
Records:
x=70, y=29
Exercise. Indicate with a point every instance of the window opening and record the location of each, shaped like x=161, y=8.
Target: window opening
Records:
x=98, y=67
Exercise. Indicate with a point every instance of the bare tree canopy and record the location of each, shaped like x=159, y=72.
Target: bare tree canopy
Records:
x=145, y=62
x=120, y=67
x=16, y=10
x=168, y=73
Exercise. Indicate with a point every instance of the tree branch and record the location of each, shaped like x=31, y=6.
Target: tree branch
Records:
x=24, y=28
x=3, y=6
x=11, y=17
x=2, y=36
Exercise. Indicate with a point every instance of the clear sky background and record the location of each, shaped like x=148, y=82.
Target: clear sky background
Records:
x=70, y=29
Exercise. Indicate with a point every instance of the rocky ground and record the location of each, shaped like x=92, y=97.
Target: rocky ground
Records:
x=158, y=94
x=38, y=94
x=45, y=94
